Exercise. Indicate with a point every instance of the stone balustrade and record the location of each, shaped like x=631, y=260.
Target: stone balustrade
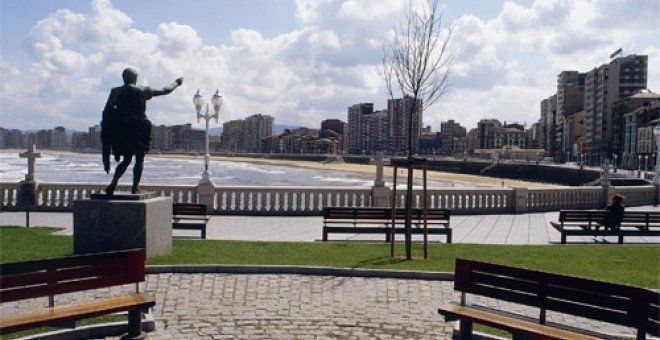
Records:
x=244, y=200
x=636, y=196
x=463, y=201
x=287, y=200
x=552, y=199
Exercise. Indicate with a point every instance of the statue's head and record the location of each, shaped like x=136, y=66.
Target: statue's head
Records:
x=130, y=76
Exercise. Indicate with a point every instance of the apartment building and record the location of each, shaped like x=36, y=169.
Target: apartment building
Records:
x=355, y=135
x=254, y=129
x=570, y=100
x=452, y=138
x=638, y=112
x=510, y=135
x=486, y=131
x=399, y=121
x=605, y=85
x=547, y=125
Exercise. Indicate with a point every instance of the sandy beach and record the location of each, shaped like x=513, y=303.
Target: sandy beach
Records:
x=366, y=168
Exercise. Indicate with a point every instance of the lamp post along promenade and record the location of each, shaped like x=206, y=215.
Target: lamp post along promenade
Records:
x=217, y=101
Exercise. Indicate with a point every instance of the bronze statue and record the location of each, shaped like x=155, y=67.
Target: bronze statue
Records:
x=125, y=129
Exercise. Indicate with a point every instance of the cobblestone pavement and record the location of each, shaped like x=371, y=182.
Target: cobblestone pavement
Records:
x=223, y=306
x=283, y=306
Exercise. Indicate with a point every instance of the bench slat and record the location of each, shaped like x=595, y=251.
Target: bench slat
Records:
x=22, y=267
x=77, y=273
x=591, y=312
x=592, y=297
x=188, y=209
x=72, y=312
x=510, y=324
x=653, y=321
x=61, y=288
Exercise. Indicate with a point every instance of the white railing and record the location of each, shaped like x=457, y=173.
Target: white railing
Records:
x=551, y=199
x=8, y=195
x=287, y=200
x=60, y=196
x=463, y=201
x=636, y=196
x=312, y=200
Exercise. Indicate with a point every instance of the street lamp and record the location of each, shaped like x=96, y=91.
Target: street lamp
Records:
x=639, y=166
x=656, y=134
x=198, y=100
x=646, y=164
x=615, y=156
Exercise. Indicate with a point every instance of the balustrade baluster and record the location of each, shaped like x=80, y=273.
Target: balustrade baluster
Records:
x=250, y=201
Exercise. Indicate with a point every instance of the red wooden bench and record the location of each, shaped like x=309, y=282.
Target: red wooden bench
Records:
x=608, y=302
x=50, y=277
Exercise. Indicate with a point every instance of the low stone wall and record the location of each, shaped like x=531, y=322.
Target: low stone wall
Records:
x=542, y=173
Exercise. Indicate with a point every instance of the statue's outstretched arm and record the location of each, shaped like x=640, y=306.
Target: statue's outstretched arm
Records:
x=167, y=89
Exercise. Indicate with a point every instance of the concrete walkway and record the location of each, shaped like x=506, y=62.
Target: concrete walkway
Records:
x=533, y=228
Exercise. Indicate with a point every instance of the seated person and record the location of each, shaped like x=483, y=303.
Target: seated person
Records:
x=614, y=214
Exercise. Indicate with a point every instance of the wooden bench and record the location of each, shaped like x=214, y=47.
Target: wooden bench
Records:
x=608, y=302
x=41, y=278
x=190, y=216
x=587, y=223
x=378, y=221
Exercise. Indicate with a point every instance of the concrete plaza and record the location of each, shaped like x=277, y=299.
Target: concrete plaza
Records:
x=531, y=228
x=204, y=304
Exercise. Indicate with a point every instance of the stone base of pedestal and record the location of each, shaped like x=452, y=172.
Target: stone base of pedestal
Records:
x=381, y=196
x=107, y=225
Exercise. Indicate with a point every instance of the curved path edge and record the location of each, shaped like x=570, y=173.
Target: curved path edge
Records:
x=300, y=270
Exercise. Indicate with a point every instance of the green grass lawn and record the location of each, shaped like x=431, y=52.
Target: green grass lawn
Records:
x=629, y=264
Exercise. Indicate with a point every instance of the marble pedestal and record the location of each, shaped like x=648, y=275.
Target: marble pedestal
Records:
x=109, y=224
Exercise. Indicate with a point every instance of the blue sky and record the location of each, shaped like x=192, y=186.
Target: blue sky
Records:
x=299, y=61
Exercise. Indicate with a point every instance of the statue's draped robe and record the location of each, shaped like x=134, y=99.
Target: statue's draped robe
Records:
x=125, y=129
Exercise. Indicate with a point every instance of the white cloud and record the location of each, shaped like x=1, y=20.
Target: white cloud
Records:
x=503, y=66
x=369, y=10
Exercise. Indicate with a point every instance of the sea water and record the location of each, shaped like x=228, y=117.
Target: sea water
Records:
x=88, y=168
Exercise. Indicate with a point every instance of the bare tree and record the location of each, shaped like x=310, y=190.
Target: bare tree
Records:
x=416, y=65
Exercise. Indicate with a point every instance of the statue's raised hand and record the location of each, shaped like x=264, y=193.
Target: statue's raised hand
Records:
x=179, y=81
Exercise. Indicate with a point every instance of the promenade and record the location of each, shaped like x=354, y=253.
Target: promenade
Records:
x=207, y=305
x=532, y=228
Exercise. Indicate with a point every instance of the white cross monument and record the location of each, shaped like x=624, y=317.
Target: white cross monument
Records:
x=31, y=154
x=379, y=192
